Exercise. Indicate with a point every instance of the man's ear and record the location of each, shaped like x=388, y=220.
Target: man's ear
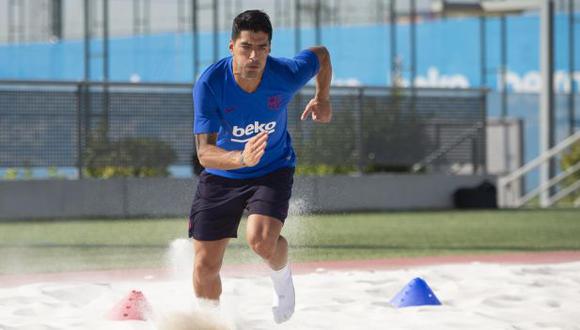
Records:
x=231, y=47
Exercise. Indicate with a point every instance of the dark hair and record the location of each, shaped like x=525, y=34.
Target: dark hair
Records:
x=252, y=20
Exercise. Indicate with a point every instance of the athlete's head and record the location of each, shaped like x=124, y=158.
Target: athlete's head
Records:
x=250, y=43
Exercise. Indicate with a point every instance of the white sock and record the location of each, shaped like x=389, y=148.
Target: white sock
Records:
x=203, y=303
x=283, y=304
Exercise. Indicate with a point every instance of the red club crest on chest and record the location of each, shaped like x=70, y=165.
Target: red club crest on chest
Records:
x=274, y=102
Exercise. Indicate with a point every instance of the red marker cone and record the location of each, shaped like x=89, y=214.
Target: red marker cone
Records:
x=133, y=307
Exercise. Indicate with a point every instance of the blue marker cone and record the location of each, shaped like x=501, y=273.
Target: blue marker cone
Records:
x=416, y=293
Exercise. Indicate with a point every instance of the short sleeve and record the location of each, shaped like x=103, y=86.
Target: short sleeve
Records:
x=206, y=118
x=304, y=66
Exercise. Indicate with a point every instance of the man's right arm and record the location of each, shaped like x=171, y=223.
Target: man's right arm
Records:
x=212, y=156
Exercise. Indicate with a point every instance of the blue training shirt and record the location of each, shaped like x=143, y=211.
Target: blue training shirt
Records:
x=221, y=106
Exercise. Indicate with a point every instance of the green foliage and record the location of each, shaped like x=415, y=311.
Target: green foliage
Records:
x=324, y=169
x=17, y=174
x=394, y=134
x=129, y=157
x=326, y=148
x=27, y=173
x=384, y=168
x=569, y=159
x=52, y=173
x=381, y=134
x=11, y=174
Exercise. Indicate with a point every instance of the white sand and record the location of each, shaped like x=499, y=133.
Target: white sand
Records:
x=474, y=296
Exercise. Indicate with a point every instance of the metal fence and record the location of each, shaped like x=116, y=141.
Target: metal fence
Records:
x=396, y=129
x=71, y=124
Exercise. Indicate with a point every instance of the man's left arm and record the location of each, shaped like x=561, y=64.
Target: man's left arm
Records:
x=319, y=107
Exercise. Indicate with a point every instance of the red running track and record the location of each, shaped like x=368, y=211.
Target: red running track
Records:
x=297, y=268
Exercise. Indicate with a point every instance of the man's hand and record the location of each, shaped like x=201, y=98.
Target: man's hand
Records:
x=254, y=149
x=319, y=109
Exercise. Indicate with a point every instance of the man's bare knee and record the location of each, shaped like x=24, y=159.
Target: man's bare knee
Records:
x=206, y=269
x=263, y=247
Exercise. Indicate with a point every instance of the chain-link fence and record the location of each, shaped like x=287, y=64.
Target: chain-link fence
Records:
x=135, y=128
x=120, y=128
x=395, y=129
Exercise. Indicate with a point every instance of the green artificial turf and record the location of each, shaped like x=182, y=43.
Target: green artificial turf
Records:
x=49, y=246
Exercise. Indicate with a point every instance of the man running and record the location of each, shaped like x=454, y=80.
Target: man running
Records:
x=242, y=140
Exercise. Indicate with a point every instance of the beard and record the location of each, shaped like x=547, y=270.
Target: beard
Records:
x=251, y=72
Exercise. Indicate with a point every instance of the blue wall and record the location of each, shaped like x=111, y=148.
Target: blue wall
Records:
x=448, y=56
x=446, y=49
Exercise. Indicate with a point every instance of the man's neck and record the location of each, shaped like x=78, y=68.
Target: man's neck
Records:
x=248, y=85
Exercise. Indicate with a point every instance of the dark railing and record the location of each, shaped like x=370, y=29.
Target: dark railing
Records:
x=75, y=124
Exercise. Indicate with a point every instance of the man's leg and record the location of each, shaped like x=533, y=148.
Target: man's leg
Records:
x=206, y=268
x=263, y=235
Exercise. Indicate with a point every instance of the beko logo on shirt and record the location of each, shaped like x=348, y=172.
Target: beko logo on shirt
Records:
x=246, y=132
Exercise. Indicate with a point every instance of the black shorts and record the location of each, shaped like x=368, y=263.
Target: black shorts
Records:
x=219, y=202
